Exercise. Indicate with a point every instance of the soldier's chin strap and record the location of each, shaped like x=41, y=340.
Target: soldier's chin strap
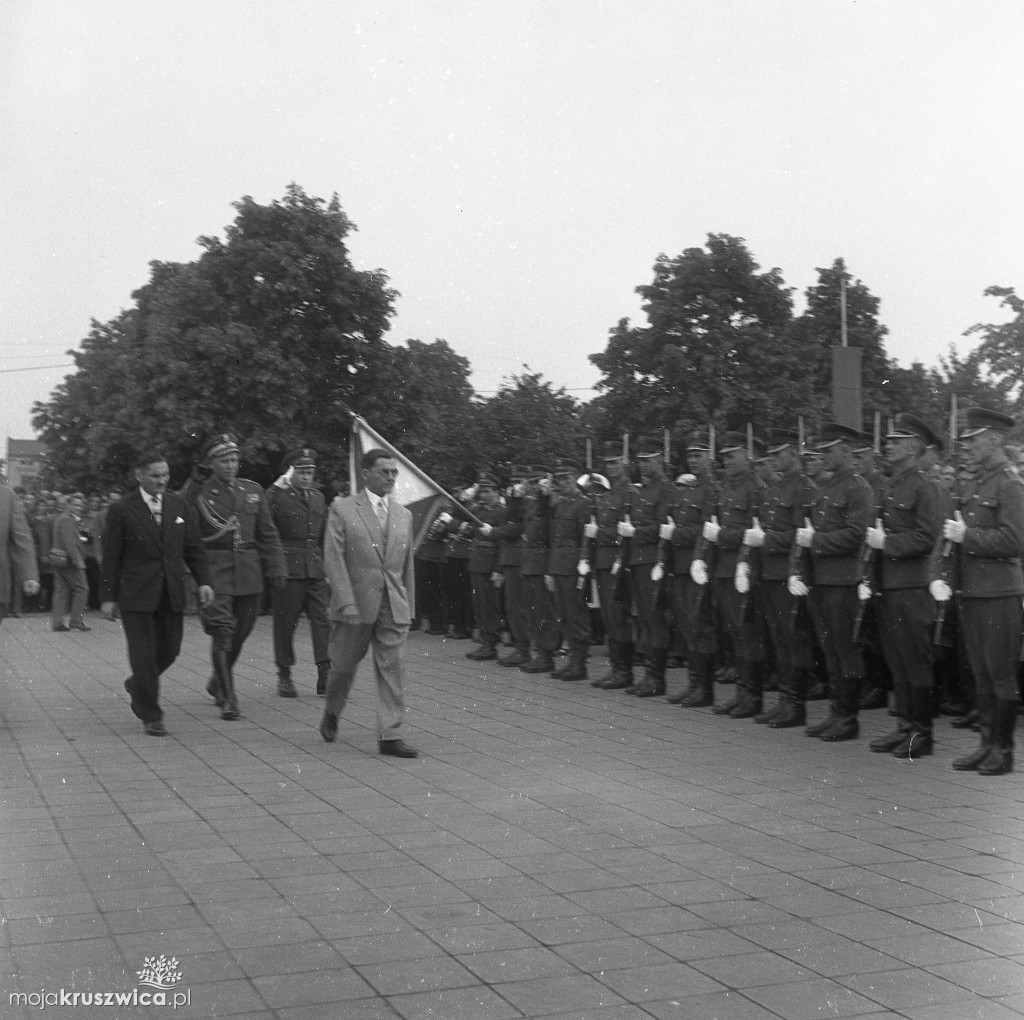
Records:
x=221, y=525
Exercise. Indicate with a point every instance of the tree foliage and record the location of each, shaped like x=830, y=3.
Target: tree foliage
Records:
x=1001, y=351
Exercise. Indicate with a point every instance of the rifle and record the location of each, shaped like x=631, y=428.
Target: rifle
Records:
x=619, y=571
x=869, y=576
x=948, y=561
x=799, y=616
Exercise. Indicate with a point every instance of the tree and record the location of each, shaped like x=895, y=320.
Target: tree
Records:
x=714, y=349
x=528, y=421
x=271, y=333
x=1001, y=350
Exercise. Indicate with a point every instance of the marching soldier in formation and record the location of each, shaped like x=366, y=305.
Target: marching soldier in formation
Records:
x=484, y=573
x=242, y=544
x=570, y=514
x=650, y=526
x=603, y=561
x=782, y=512
x=985, y=538
x=536, y=541
x=692, y=602
x=299, y=512
x=840, y=517
x=901, y=542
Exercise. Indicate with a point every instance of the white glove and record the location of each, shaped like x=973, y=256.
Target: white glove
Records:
x=583, y=568
x=625, y=529
x=518, y=489
x=711, y=530
x=805, y=535
x=485, y=529
x=467, y=494
x=940, y=591
x=754, y=535
x=657, y=572
x=445, y=518
x=667, y=530
x=864, y=591
x=954, y=531
x=699, y=572
x=497, y=579
x=545, y=486
x=590, y=529
x=875, y=536
x=796, y=587
x=742, y=578
x=549, y=582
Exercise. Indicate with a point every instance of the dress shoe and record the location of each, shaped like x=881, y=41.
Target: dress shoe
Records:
x=889, y=742
x=329, y=727
x=482, y=654
x=61, y=628
x=841, y=729
x=915, y=745
x=397, y=749
x=998, y=762
x=873, y=697
x=156, y=728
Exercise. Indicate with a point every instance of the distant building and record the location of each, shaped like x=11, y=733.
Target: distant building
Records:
x=25, y=461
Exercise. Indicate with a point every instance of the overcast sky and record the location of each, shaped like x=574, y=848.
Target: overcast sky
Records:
x=514, y=167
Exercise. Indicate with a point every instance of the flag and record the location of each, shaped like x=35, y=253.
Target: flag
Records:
x=414, y=489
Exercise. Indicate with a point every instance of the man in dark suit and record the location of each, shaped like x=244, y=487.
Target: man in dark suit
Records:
x=151, y=537
x=17, y=551
x=368, y=556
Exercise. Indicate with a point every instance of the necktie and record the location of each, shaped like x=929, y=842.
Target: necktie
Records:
x=155, y=506
x=382, y=515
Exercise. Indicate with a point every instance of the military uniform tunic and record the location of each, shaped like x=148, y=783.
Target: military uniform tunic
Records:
x=569, y=516
x=692, y=604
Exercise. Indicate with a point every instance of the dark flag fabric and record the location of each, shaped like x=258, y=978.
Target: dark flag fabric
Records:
x=414, y=489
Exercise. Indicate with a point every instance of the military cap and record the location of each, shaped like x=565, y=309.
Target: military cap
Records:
x=517, y=472
x=977, y=419
x=565, y=469
x=686, y=480
x=779, y=439
x=303, y=457
x=699, y=441
x=649, y=446
x=592, y=480
x=832, y=433
x=486, y=480
x=219, y=446
x=611, y=451
x=909, y=426
x=738, y=441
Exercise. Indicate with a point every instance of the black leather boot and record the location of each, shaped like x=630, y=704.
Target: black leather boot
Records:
x=653, y=683
x=999, y=760
x=285, y=687
x=222, y=664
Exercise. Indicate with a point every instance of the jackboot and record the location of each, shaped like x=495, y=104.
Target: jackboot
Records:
x=222, y=664
x=984, y=707
x=540, y=662
x=613, y=657
x=653, y=683
x=898, y=736
x=557, y=671
x=213, y=688
x=999, y=760
x=791, y=710
x=845, y=705
x=285, y=687
x=519, y=657
x=484, y=652
x=622, y=672
x=748, y=685
x=918, y=742
x=576, y=668
x=322, y=669
x=702, y=681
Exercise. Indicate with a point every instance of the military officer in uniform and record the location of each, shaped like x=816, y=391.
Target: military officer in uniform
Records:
x=242, y=545
x=299, y=512
x=986, y=538
x=536, y=540
x=650, y=526
x=840, y=517
x=902, y=546
x=692, y=603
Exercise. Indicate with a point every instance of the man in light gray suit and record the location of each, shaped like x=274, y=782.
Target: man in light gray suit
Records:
x=368, y=559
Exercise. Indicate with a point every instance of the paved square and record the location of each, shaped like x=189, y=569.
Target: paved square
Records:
x=556, y=851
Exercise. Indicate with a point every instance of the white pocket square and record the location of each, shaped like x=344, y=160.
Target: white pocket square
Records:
x=180, y=520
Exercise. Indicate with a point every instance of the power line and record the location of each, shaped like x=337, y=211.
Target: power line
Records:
x=37, y=368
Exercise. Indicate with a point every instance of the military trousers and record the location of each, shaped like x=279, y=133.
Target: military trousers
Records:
x=571, y=606
x=792, y=646
x=543, y=618
x=653, y=609
x=833, y=609
x=486, y=607
x=905, y=619
x=516, y=610
x=991, y=633
x=309, y=594
x=229, y=620
x=692, y=608
x=745, y=629
x=618, y=625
